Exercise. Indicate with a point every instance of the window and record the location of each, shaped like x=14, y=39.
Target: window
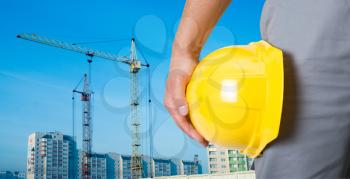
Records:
x=232, y=152
x=212, y=159
x=212, y=153
x=211, y=146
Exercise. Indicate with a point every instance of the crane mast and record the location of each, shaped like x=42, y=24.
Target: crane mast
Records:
x=86, y=95
x=87, y=129
x=136, y=167
x=135, y=65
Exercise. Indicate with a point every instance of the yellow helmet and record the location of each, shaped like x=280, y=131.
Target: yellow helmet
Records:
x=235, y=96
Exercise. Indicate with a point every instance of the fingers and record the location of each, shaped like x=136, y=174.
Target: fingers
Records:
x=186, y=126
x=176, y=104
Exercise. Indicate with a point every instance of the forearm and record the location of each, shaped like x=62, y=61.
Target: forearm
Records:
x=198, y=19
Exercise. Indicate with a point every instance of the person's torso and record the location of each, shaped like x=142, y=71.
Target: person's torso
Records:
x=315, y=38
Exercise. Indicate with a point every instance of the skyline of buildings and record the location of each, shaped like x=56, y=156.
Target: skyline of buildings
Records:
x=53, y=155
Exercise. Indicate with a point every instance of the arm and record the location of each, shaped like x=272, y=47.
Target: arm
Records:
x=198, y=19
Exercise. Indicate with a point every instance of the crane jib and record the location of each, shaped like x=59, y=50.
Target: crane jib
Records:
x=76, y=48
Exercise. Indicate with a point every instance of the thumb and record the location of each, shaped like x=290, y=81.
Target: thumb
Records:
x=180, y=97
x=177, y=88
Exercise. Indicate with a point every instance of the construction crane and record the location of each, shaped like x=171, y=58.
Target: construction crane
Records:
x=86, y=95
x=135, y=65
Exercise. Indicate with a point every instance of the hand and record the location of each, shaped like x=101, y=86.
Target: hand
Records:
x=175, y=101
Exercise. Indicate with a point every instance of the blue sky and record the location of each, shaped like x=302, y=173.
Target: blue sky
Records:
x=36, y=80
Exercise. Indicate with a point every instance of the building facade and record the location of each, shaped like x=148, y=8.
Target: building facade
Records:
x=113, y=165
x=222, y=160
x=50, y=155
x=162, y=167
x=119, y=167
x=98, y=165
x=191, y=168
x=12, y=175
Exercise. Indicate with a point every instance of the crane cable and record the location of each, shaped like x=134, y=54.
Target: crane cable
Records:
x=73, y=130
x=149, y=105
x=101, y=41
x=73, y=114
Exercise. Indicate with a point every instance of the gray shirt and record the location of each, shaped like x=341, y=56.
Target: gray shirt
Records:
x=314, y=139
